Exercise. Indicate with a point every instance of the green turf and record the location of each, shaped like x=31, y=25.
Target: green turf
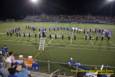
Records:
x=87, y=52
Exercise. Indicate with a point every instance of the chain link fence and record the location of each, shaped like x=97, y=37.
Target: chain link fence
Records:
x=60, y=68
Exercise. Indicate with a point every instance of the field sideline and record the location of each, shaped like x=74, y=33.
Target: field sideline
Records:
x=87, y=52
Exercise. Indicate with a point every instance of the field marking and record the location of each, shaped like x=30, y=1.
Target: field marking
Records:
x=73, y=45
x=49, y=42
x=17, y=41
x=39, y=53
x=36, y=55
x=64, y=45
x=92, y=43
x=60, y=47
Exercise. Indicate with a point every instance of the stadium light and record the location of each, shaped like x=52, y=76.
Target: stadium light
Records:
x=110, y=1
x=35, y=2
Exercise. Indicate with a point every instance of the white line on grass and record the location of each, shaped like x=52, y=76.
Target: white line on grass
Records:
x=59, y=44
x=58, y=47
x=49, y=42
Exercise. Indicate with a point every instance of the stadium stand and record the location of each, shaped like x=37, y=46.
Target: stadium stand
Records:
x=73, y=18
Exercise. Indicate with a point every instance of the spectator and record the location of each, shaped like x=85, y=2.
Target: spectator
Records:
x=35, y=66
x=10, y=59
x=12, y=72
x=3, y=71
x=1, y=59
x=71, y=62
x=5, y=50
x=22, y=72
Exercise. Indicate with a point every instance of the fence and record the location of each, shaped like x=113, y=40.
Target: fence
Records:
x=61, y=68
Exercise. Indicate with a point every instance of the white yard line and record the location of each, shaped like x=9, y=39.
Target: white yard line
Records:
x=49, y=42
x=61, y=46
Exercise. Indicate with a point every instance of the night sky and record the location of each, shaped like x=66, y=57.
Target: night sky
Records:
x=22, y=8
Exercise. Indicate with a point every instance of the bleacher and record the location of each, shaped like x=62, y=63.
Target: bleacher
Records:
x=73, y=18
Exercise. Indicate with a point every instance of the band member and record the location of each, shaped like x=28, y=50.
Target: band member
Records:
x=62, y=37
x=86, y=35
x=74, y=37
x=43, y=34
x=24, y=35
x=39, y=35
x=109, y=34
x=50, y=36
x=69, y=37
x=29, y=35
x=102, y=35
x=11, y=34
x=55, y=36
x=16, y=34
x=19, y=34
x=7, y=33
x=89, y=35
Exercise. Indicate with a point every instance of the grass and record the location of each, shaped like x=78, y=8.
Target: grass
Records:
x=87, y=52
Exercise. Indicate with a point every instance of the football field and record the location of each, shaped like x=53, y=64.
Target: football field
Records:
x=90, y=52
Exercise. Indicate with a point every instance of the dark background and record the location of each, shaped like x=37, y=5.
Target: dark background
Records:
x=21, y=8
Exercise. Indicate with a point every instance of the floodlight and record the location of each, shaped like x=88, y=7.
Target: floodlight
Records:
x=34, y=1
x=110, y=0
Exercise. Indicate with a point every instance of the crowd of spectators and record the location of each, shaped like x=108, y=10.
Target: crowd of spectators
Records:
x=73, y=18
x=10, y=66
